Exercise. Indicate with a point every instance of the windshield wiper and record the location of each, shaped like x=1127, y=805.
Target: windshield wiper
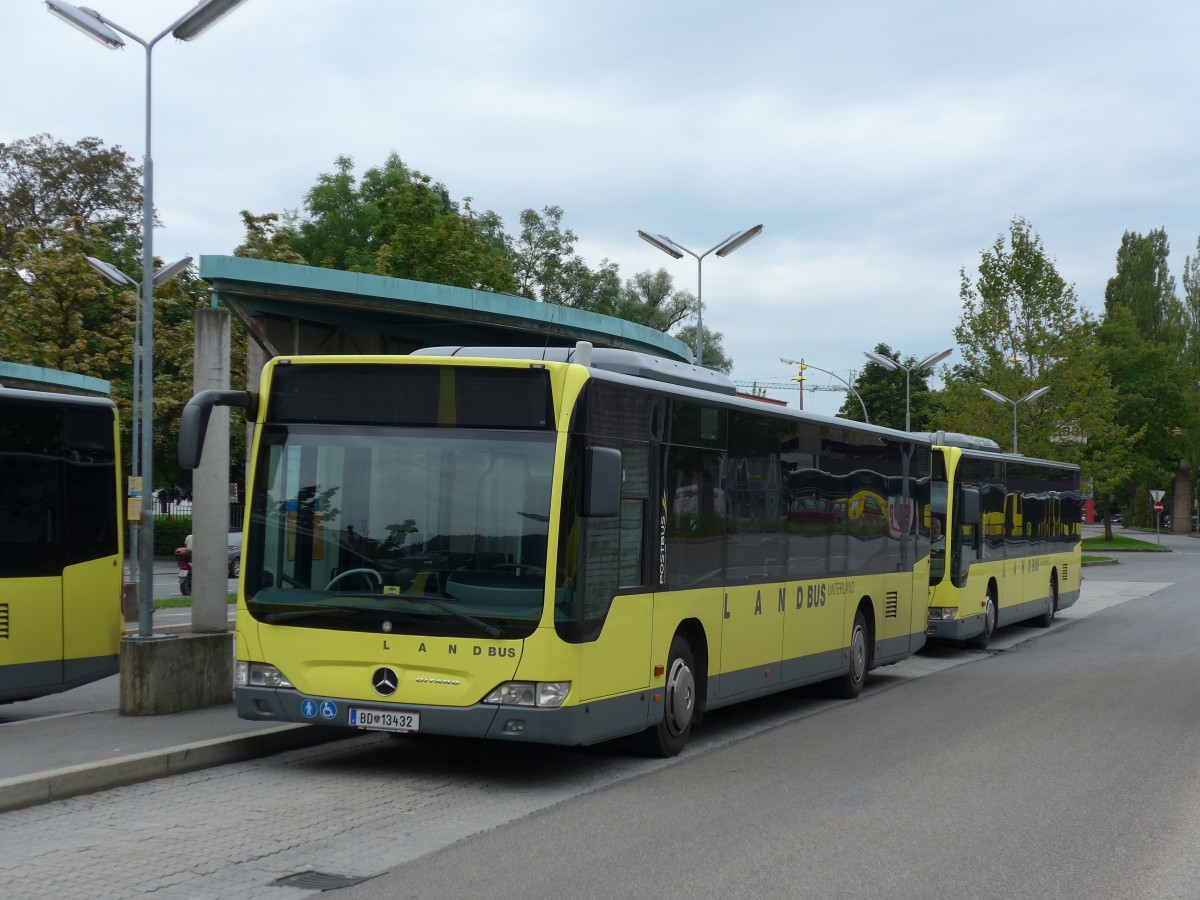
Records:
x=486, y=628
x=291, y=615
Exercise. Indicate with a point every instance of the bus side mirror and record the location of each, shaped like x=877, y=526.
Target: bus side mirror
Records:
x=193, y=423
x=601, y=481
x=968, y=513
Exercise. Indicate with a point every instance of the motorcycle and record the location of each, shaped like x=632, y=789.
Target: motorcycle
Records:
x=183, y=558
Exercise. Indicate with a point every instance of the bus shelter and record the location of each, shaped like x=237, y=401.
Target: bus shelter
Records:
x=303, y=310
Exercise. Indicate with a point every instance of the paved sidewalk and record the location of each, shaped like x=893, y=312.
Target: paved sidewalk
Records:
x=76, y=742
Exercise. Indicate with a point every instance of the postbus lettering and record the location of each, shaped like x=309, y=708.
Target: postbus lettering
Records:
x=662, y=544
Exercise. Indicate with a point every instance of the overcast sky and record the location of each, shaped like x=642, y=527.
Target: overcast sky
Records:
x=882, y=145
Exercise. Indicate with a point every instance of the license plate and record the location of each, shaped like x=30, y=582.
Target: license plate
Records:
x=384, y=720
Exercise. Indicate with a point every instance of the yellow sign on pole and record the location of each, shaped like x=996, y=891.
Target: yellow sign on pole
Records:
x=134, y=507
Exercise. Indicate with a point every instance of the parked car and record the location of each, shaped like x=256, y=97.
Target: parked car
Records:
x=184, y=555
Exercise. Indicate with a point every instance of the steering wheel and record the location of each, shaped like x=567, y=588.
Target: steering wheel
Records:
x=518, y=569
x=371, y=572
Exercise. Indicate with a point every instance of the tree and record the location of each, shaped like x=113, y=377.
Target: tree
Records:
x=396, y=221
x=58, y=204
x=541, y=255
x=1144, y=285
x=1023, y=328
x=651, y=299
x=57, y=311
x=339, y=230
x=45, y=183
x=418, y=240
x=267, y=239
x=883, y=391
x=1144, y=336
x=714, y=351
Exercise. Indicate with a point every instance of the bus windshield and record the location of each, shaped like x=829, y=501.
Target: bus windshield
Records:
x=417, y=530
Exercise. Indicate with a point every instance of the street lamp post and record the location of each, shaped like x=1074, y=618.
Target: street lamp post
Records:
x=1000, y=398
x=119, y=278
x=105, y=31
x=807, y=365
x=676, y=250
x=927, y=363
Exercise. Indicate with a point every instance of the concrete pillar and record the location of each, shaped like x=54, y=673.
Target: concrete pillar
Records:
x=190, y=671
x=210, y=482
x=1181, y=499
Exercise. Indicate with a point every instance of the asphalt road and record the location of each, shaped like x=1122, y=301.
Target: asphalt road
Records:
x=1060, y=765
x=1066, y=766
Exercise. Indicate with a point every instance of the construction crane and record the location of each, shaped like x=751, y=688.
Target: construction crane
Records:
x=787, y=386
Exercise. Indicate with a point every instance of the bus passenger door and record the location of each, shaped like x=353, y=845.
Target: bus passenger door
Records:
x=616, y=579
x=752, y=638
x=31, y=654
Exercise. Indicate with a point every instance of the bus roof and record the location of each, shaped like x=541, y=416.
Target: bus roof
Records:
x=634, y=369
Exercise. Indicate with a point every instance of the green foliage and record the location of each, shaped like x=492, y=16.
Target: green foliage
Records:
x=170, y=533
x=883, y=392
x=1022, y=328
x=48, y=184
x=1144, y=286
x=58, y=204
x=714, y=349
x=1144, y=341
x=650, y=299
x=418, y=240
x=267, y=239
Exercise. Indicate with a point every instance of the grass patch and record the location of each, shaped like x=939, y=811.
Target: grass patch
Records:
x=1122, y=543
x=182, y=602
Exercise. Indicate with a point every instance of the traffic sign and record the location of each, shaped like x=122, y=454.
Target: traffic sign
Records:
x=1158, y=507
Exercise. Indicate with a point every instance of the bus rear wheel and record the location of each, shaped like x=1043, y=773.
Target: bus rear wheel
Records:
x=671, y=735
x=1046, y=618
x=850, y=685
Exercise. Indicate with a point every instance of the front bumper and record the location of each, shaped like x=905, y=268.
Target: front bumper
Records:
x=568, y=725
x=955, y=629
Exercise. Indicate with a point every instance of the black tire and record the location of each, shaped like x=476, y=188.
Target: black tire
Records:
x=1047, y=618
x=235, y=568
x=671, y=735
x=850, y=685
x=990, y=614
x=185, y=586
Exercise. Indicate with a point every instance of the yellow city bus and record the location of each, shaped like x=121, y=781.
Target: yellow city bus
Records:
x=60, y=542
x=560, y=546
x=1012, y=545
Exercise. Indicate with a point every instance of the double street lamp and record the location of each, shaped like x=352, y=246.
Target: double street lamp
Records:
x=676, y=250
x=924, y=365
x=1000, y=398
x=799, y=376
x=119, y=278
x=107, y=32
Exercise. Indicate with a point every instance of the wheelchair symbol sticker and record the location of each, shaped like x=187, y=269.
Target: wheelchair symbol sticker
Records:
x=328, y=709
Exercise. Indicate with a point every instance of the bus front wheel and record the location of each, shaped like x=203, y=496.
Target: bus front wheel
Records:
x=671, y=735
x=981, y=640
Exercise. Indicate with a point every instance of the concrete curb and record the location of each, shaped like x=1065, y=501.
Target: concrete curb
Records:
x=60, y=784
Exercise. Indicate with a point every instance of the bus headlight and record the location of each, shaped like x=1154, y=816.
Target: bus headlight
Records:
x=252, y=674
x=942, y=613
x=543, y=694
